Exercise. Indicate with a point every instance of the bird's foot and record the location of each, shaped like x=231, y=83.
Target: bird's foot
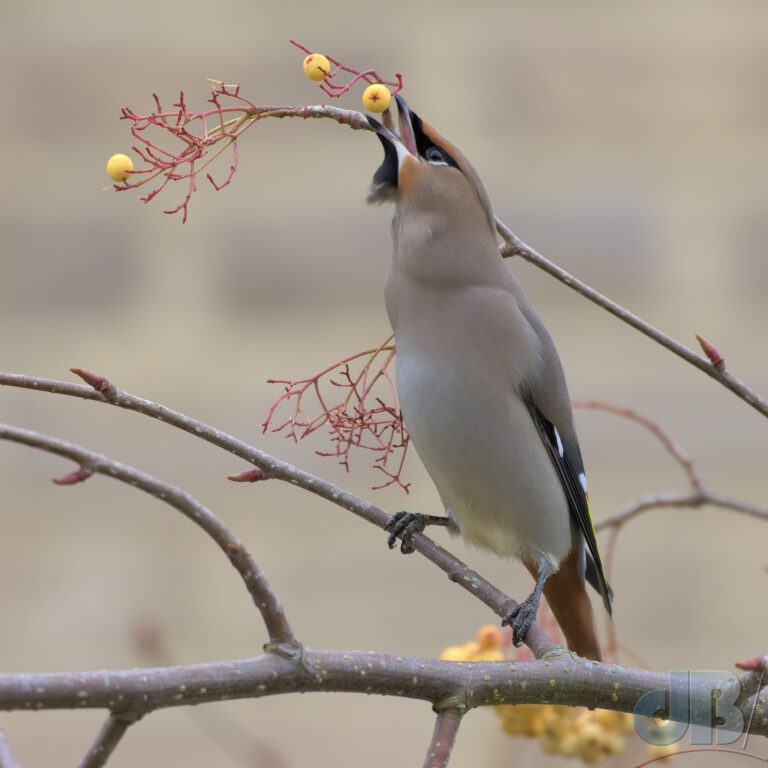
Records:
x=521, y=617
x=402, y=525
x=523, y=614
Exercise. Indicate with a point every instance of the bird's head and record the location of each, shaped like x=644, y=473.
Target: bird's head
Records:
x=423, y=171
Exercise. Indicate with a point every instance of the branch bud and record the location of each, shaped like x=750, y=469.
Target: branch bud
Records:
x=248, y=476
x=717, y=360
x=78, y=476
x=99, y=383
x=752, y=665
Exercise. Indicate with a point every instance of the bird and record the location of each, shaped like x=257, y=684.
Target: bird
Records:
x=480, y=385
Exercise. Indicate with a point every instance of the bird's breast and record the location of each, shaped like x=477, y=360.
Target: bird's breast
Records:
x=457, y=380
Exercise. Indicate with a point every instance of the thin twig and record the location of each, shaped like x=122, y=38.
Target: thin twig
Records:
x=441, y=746
x=698, y=496
x=353, y=421
x=515, y=247
x=255, y=582
x=669, y=500
x=335, y=90
x=671, y=445
x=107, y=739
x=6, y=758
x=536, y=639
x=719, y=500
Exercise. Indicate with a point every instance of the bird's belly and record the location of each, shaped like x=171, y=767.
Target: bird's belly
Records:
x=479, y=444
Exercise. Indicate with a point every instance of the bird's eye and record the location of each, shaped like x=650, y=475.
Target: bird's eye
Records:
x=435, y=155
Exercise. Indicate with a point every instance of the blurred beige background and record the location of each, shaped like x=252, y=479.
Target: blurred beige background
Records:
x=626, y=141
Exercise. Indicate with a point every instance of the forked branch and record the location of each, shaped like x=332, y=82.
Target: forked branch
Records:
x=271, y=467
x=255, y=582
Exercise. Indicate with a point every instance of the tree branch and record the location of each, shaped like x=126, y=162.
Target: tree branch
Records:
x=107, y=739
x=696, y=499
x=536, y=639
x=560, y=678
x=698, y=496
x=513, y=246
x=255, y=582
x=441, y=746
x=672, y=447
x=6, y=758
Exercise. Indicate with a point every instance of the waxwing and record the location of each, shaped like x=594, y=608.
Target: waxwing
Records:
x=481, y=385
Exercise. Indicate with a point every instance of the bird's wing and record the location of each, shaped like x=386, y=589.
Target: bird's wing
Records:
x=566, y=457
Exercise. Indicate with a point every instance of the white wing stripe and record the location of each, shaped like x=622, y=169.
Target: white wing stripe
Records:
x=559, y=442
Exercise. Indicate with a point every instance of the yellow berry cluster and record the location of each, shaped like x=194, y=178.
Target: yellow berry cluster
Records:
x=567, y=731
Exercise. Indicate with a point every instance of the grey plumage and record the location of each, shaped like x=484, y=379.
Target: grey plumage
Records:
x=479, y=379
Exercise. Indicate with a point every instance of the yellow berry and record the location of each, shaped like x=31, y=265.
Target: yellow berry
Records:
x=512, y=720
x=607, y=718
x=523, y=719
x=118, y=167
x=627, y=723
x=453, y=653
x=548, y=744
x=465, y=652
x=536, y=723
x=564, y=713
x=661, y=751
x=613, y=743
x=490, y=635
x=512, y=727
x=556, y=724
x=491, y=654
x=316, y=66
x=568, y=744
x=376, y=97
x=592, y=744
x=590, y=735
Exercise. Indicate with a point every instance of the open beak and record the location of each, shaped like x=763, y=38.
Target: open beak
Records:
x=406, y=138
x=397, y=149
x=406, y=126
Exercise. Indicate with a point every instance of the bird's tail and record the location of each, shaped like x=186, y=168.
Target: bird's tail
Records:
x=566, y=593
